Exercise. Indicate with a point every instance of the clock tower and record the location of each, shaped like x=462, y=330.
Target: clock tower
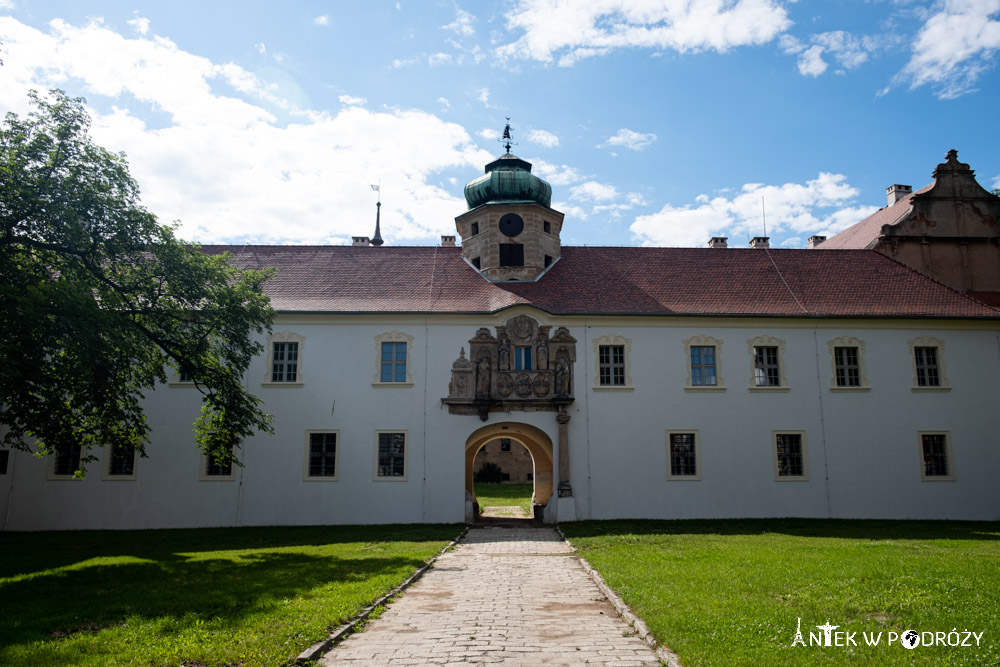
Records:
x=509, y=232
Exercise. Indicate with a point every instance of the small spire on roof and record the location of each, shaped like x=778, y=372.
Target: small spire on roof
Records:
x=377, y=239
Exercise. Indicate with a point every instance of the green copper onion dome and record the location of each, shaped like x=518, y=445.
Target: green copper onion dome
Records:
x=508, y=179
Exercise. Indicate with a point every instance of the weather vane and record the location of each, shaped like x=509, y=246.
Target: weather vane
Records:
x=506, y=137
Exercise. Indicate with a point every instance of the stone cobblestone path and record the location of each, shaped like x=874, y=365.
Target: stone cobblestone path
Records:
x=504, y=595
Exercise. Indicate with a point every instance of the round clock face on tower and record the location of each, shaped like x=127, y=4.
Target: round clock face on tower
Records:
x=511, y=224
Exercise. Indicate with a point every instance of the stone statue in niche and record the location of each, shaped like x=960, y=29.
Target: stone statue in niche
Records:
x=503, y=347
x=562, y=374
x=483, y=371
x=542, y=353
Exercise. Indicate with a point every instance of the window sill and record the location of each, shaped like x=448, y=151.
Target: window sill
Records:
x=392, y=384
x=219, y=478
x=930, y=389
x=307, y=478
x=849, y=390
x=791, y=479
x=117, y=478
x=707, y=389
x=180, y=384
x=683, y=478
x=282, y=384
x=949, y=478
x=62, y=478
x=773, y=390
x=390, y=479
x=603, y=387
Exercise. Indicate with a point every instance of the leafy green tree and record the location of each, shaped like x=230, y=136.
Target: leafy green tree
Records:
x=98, y=300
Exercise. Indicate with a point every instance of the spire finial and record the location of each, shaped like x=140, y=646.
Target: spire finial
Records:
x=506, y=138
x=377, y=238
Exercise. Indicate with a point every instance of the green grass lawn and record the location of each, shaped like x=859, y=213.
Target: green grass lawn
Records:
x=499, y=495
x=730, y=592
x=224, y=596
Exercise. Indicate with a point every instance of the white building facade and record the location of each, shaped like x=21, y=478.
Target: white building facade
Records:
x=654, y=383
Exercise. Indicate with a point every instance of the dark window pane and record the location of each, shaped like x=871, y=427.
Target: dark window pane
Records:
x=122, y=461
x=790, y=462
x=682, y=455
x=511, y=254
x=391, y=454
x=67, y=459
x=322, y=454
x=935, y=455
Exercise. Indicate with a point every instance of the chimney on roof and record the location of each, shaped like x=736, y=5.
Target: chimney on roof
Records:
x=718, y=242
x=360, y=241
x=894, y=193
x=760, y=242
x=815, y=241
x=447, y=241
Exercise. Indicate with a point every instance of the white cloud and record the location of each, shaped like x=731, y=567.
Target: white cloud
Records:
x=140, y=23
x=820, y=206
x=437, y=59
x=351, y=101
x=544, y=138
x=573, y=31
x=484, y=96
x=444, y=102
x=555, y=174
x=6, y=4
x=954, y=47
x=221, y=163
x=462, y=24
x=630, y=139
x=488, y=133
x=996, y=183
x=811, y=61
x=322, y=20
x=261, y=49
x=593, y=191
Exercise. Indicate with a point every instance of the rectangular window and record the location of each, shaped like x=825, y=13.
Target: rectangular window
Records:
x=511, y=254
x=683, y=455
x=121, y=462
x=522, y=358
x=504, y=444
x=393, y=362
x=790, y=455
x=216, y=466
x=285, y=362
x=391, y=455
x=184, y=376
x=611, y=365
x=322, y=455
x=703, y=366
x=934, y=447
x=4, y=458
x=475, y=229
x=765, y=366
x=67, y=460
x=546, y=227
x=847, y=366
x=928, y=371
x=476, y=262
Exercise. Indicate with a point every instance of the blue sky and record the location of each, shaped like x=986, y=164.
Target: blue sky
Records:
x=656, y=122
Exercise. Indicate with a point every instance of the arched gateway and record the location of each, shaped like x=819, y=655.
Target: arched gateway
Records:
x=524, y=367
x=535, y=440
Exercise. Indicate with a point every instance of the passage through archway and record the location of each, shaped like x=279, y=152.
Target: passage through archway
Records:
x=538, y=444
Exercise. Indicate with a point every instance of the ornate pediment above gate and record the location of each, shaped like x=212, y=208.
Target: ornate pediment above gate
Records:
x=521, y=368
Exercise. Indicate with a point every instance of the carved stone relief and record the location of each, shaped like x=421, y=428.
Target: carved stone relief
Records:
x=491, y=378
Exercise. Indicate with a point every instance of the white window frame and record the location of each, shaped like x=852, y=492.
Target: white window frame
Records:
x=950, y=477
x=106, y=466
x=406, y=456
x=176, y=381
x=848, y=341
x=929, y=341
x=626, y=345
x=804, y=477
x=697, y=456
x=50, y=473
x=336, y=457
x=203, y=475
x=768, y=341
x=285, y=337
x=703, y=341
x=393, y=337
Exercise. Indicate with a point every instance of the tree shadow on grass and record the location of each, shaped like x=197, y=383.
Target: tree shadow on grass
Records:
x=857, y=529
x=27, y=552
x=223, y=589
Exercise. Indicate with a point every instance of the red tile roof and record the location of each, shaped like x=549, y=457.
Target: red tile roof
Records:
x=597, y=280
x=864, y=233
